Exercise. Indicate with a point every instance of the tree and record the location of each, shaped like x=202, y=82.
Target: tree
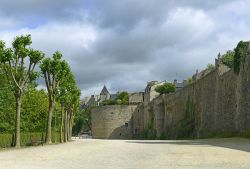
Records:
x=109, y=102
x=82, y=121
x=240, y=51
x=165, y=88
x=65, y=95
x=7, y=100
x=34, y=108
x=74, y=107
x=54, y=71
x=210, y=66
x=121, y=99
x=15, y=61
x=228, y=58
x=73, y=104
x=189, y=80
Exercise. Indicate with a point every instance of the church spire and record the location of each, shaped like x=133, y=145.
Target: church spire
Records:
x=104, y=91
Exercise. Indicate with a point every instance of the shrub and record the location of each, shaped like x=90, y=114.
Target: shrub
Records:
x=27, y=139
x=228, y=58
x=210, y=66
x=121, y=99
x=165, y=88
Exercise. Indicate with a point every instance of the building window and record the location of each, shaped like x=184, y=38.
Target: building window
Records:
x=126, y=124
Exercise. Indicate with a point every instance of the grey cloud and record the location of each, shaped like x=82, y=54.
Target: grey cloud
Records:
x=126, y=43
x=120, y=15
x=123, y=15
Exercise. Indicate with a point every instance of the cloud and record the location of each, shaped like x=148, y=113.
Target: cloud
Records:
x=126, y=43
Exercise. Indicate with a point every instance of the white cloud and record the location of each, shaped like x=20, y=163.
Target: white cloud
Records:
x=124, y=44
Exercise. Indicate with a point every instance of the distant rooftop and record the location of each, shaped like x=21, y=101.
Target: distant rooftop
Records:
x=104, y=91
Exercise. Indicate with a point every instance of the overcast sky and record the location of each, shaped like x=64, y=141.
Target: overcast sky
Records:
x=125, y=43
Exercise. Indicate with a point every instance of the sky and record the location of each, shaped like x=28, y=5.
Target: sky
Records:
x=124, y=44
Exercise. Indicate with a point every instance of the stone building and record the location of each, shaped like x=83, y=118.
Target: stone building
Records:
x=104, y=95
x=97, y=100
x=180, y=85
x=136, y=98
x=150, y=92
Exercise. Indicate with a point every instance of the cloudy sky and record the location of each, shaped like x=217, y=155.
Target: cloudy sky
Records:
x=125, y=43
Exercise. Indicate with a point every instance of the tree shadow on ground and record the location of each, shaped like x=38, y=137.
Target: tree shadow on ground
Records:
x=231, y=143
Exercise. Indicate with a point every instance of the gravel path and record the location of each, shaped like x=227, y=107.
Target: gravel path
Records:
x=132, y=154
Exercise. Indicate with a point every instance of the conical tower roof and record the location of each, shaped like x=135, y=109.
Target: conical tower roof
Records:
x=104, y=91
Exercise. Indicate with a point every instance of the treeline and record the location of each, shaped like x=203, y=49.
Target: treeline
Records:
x=25, y=108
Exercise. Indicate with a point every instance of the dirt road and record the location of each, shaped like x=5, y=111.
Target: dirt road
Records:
x=132, y=154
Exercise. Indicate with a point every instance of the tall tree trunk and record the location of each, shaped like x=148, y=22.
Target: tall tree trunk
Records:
x=68, y=126
x=71, y=126
x=18, y=116
x=61, y=127
x=65, y=126
x=50, y=113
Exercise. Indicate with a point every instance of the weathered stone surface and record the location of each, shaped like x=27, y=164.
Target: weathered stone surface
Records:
x=113, y=122
x=136, y=98
x=215, y=104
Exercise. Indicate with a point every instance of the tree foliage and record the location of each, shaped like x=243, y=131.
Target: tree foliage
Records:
x=240, y=51
x=121, y=99
x=54, y=71
x=165, y=88
x=210, y=66
x=82, y=121
x=228, y=59
x=35, y=106
x=69, y=97
x=33, y=111
x=18, y=85
x=189, y=80
x=18, y=64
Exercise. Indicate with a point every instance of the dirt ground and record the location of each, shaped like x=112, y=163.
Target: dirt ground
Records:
x=132, y=154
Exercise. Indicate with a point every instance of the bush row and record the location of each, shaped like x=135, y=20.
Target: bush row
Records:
x=27, y=139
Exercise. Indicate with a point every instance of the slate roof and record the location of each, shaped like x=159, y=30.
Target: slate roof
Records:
x=104, y=91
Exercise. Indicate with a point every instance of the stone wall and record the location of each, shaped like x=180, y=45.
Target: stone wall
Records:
x=242, y=117
x=203, y=108
x=136, y=98
x=217, y=104
x=112, y=122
